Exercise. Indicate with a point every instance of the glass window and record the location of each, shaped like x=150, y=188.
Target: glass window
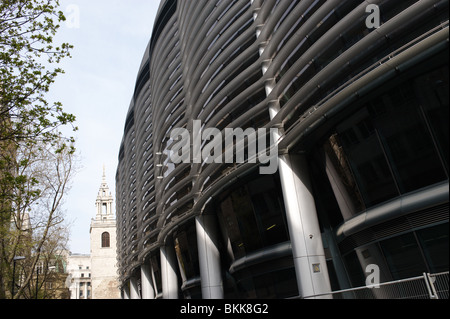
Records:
x=361, y=146
x=327, y=205
x=397, y=143
x=407, y=141
x=105, y=240
x=239, y=221
x=185, y=243
x=403, y=256
x=277, y=284
x=252, y=216
x=274, y=279
x=433, y=95
x=156, y=262
x=268, y=208
x=434, y=242
x=354, y=270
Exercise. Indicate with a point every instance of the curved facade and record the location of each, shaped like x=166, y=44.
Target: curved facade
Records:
x=362, y=114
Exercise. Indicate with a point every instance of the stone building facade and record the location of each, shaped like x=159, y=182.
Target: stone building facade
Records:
x=103, y=247
x=79, y=280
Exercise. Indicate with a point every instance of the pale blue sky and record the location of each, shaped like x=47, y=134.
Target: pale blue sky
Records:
x=98, y=85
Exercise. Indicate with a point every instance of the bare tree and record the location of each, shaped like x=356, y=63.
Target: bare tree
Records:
x=38, y=229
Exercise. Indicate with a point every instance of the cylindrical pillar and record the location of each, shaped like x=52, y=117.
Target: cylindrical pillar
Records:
x=306, y=238
x=86, y=290
x=146, y=282
x=209, y=257
x=126, y=292
x=134, y=290
x=169, y=273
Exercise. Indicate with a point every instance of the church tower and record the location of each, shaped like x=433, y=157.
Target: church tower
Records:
x=104, y=202
x=103, y=246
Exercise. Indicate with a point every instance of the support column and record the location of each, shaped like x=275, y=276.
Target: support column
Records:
x=302, y=220
x=146, y=282
x=134, y=290
x=307, y=246
x=77, y=290
x=209, y=257
x=169, y=273
x=126, y=291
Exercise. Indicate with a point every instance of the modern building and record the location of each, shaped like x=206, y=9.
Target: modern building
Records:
x=362, y=116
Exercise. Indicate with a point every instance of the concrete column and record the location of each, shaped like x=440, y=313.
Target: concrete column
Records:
x=146, y=282
x=126, y=292
x=169, y=272
x=153, y=278
x=85, y=290
x=77, y=290
x=134, y=290
x=307, y=246
x=345, y=204
x=209, y=257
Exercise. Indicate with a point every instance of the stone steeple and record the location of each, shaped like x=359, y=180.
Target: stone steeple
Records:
x=104, y=202
x=103, y=246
